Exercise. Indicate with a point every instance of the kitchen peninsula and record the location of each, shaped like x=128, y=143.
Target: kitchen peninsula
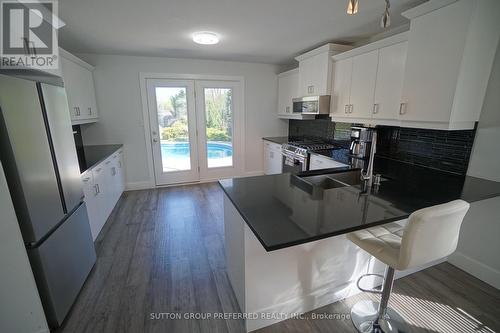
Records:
x=285, y=234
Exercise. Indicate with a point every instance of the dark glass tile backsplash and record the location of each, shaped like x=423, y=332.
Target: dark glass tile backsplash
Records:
x=443, y=150
x=323, y=129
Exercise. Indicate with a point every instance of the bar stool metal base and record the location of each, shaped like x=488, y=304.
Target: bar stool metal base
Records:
x=365, y=313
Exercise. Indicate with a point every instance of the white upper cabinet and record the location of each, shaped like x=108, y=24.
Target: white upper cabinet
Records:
x=450, y=55
x=339, y=103
x=364, y=74
x=433, y=76
x=389, y=85
x=288, y=88
x=315, y=70
x=79, y=85
x=367, y=81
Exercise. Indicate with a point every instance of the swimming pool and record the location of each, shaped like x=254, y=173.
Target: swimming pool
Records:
x=175, y=155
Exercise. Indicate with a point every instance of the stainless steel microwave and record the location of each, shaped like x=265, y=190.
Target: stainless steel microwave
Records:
x=312, y=105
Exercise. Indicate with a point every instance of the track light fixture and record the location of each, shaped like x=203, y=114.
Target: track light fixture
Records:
x=352, y=8
x=386, y=17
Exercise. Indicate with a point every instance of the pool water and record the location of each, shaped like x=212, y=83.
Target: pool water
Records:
x=175, y=155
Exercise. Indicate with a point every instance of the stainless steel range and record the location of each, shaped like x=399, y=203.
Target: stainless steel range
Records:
x=296, y=154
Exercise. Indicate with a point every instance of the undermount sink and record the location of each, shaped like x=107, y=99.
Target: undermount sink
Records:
x=323, y=181
x=349, y=177
x=335, y=180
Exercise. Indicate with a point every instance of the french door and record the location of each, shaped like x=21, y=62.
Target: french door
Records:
x=195, y=131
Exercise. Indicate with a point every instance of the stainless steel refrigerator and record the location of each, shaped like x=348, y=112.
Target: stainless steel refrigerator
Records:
x=38, y=153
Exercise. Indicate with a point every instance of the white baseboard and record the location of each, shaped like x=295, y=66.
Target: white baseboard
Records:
x=302, y=305
x=320, y=298
x=476, y=268
x=132, y=186
x=144, y=185
x=253, y=173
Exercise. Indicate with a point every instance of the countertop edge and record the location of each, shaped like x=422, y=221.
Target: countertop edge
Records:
x=120, y=146
x=277, y=140
x=312, y=238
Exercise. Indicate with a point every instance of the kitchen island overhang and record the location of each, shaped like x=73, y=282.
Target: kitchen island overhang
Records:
x=286, y=247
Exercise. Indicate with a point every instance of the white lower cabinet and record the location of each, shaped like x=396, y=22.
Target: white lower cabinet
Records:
x=272, y=158
x=319, y=162
x=102, y=186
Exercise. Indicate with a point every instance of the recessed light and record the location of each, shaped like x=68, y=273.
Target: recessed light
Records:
x=205, y=38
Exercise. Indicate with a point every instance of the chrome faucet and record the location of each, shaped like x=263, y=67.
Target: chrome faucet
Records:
x=368, y=175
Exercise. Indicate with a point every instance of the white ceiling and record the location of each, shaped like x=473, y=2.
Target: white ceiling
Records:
x=268, y=31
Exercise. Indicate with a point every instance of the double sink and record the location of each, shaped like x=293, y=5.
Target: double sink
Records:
x=335, y=180
x=315, y=185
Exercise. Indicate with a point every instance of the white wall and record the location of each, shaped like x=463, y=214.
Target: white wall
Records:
x=479, y=246
x=20, y=306
x=120, y=109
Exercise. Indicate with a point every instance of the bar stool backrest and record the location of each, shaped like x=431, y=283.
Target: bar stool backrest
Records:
x=431, y=234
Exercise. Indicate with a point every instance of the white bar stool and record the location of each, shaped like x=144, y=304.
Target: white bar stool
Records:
x=431, y=234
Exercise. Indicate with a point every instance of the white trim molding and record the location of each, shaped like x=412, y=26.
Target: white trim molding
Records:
x=134, y=186
x=476, y=268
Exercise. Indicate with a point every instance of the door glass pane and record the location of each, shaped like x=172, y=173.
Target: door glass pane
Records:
x=219, y=126
x=173, y=128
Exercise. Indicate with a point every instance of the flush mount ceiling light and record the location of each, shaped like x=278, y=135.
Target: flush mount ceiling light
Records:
x=352, y=8
x=205, y=38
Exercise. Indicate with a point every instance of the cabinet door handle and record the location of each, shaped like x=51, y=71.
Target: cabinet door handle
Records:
x=108, y=162
x=346, y=108
x=98, y=170
x=86, y=179
x=375, y=108
x=96, y=189
x=310, y=89
x=287, y=109
x=90, y=111
x=402, y=108
x=351, y=108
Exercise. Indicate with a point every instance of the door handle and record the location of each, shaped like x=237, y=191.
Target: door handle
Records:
x=346, y=108
x=375, y=108
x=155, y=140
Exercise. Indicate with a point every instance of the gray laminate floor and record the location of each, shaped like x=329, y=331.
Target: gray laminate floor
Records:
x=162, y=251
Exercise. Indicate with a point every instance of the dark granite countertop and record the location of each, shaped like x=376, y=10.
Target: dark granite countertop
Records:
x=277, y=139
x=282, y=212
x=90, y=156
